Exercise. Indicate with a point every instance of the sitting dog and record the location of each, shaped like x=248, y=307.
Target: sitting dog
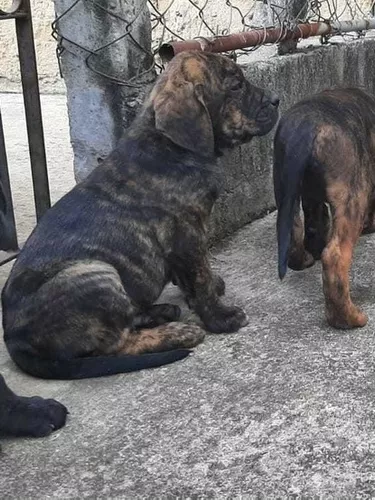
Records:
x=324, y=153
x=80, y=300
x=22, y=416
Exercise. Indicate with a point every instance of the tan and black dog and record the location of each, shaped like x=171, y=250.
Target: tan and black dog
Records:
x=79, y=301
x=24, y=416
x=324, y=154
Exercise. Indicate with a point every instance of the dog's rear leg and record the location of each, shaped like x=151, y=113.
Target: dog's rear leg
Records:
x=336, y=261
x=317, y=225
x=299, y=258
x=167, y=337
x=369, y=223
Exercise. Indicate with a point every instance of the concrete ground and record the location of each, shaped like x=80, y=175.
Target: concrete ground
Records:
x=283, y=409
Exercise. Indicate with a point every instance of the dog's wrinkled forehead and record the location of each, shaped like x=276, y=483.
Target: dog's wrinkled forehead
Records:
x=202, y=69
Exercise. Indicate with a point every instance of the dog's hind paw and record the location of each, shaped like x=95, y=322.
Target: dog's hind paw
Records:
x=299, y=261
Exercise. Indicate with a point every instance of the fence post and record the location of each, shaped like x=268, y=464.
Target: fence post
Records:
x=279, y=12
x=101, y=44
x=33, y=112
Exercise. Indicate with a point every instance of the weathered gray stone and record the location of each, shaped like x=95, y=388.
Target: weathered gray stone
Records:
x=98, y=108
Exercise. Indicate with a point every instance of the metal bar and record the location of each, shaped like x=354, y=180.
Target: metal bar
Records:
x=6, y=257
x=5, y=184
x=3, y=17
x=355, y=25
x=257, y=37
x=30, y=86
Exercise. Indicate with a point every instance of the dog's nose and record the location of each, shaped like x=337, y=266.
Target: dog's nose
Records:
x=274, y=99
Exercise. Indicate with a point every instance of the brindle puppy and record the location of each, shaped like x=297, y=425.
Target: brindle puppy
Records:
x=324, y=153
x=79, y=301
x=22, y=416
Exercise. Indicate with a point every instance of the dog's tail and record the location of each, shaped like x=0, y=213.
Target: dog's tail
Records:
x=90, y=367
x=165, y=344
x=292, y=151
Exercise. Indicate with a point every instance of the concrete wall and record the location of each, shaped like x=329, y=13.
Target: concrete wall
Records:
x=99, y=110
x=248, y=189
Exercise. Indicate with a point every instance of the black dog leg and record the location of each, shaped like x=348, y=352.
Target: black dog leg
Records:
x=201, y=287
x=35, y=416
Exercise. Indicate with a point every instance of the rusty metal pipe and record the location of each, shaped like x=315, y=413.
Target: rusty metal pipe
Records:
x=263, y=36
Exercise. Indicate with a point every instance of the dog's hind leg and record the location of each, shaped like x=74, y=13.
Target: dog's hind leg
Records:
x=347, y=222
x=167, y=337
x=79, y=324
x=317, y=225
x=369, y=223
x=299, y=258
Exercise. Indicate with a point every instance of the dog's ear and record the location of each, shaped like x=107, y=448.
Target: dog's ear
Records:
x=182, y=115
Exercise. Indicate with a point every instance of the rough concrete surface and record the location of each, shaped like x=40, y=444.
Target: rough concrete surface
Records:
x=283, y=409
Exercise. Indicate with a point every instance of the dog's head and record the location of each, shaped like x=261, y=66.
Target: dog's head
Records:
x=203, y=103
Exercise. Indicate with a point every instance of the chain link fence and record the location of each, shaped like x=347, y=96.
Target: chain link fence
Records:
x=188, y=19
x=191, y=19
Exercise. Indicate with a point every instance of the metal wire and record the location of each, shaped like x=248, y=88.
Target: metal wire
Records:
x=187, y=19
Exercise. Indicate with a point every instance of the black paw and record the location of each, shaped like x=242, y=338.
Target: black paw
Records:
x=34, y=416
x=219, y=285
x=314, y=243
x=300, y=260
x=226, y=319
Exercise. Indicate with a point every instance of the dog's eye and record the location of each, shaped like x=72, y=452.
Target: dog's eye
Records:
x=237, y=85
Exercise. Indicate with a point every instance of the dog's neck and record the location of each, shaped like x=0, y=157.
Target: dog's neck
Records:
x=144, y=151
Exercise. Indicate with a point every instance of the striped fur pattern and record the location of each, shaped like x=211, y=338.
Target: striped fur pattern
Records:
x=80, y=300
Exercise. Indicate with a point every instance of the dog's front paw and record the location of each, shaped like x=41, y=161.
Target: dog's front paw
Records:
x=223, y=319
x=34, y=416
